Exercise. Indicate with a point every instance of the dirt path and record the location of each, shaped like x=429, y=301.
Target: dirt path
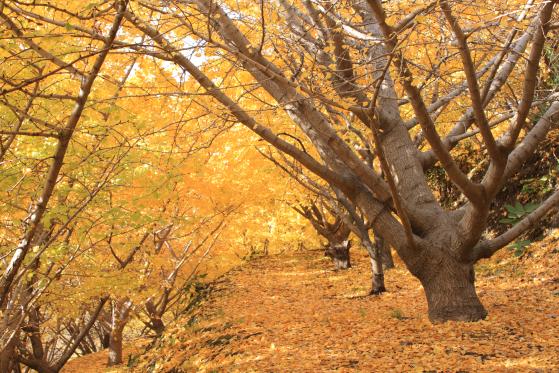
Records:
x=294, y=314
x=97, y=362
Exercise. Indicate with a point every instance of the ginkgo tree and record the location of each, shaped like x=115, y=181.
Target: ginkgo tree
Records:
x=328, y=66
x=89, y=170
x=363, y=94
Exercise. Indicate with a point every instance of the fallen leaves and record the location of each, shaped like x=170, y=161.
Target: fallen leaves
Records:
x=280, y=314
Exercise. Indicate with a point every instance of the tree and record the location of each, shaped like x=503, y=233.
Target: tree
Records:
x=347, y=218
x=335, y=233
x=16, y=294
x=332, y=66
x=76, y=172
x=341, y=88
x=44, y=357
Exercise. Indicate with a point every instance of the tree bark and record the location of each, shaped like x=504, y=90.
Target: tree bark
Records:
x=120, y=316
x=437, y=246
x=115, y=347
x=339, y=253
x=386, y=256
x=7, y=354
x=377, y=271
x=450, y=290
x=385, y=251
x=155, y=322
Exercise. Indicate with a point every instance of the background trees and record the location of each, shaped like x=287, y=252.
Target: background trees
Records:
x=106, y=200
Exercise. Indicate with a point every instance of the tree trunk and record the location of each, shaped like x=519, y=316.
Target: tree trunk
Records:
x=377, y=271
x=155, y=322
x=105, y=340
x=339, y=255
x=378, y=276
x=386, y=255
x=341, y=259
x=450, y=291
x=158, y=326
x=120, y=316
x=385, y=251
x=7, y=353
x=115, y=347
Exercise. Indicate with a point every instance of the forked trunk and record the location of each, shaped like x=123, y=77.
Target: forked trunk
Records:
x=339, y=255
x=154, y=314
x=450, y=291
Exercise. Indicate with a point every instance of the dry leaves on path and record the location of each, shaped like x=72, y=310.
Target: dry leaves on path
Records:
x=294, y=314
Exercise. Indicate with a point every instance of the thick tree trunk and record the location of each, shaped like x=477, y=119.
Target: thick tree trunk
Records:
x=120, y=316
x=450, y=291
x=341, y=259
x=385, y=251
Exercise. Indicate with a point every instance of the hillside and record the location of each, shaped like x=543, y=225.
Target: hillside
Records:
x=293, y=313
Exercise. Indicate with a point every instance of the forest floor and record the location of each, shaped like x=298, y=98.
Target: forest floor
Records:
x=295, y=314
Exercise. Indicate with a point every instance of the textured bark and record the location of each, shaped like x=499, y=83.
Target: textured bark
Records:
x=438, y=247
x=450, y=291
x=385, y=252
x=115, y=347
x=339, y=254
x=120, y=316
x=377, y=271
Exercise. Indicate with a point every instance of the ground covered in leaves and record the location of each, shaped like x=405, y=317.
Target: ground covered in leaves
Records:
x=294, y=314
x=97, y=362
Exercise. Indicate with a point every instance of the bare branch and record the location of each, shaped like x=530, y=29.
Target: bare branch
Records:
x=486, y=249
x=473, y=192
x=475, y=95
x=530, y=78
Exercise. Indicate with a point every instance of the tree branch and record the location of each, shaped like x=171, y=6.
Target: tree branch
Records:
x=58, y=159
x=486, y=249
x=475, y=95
